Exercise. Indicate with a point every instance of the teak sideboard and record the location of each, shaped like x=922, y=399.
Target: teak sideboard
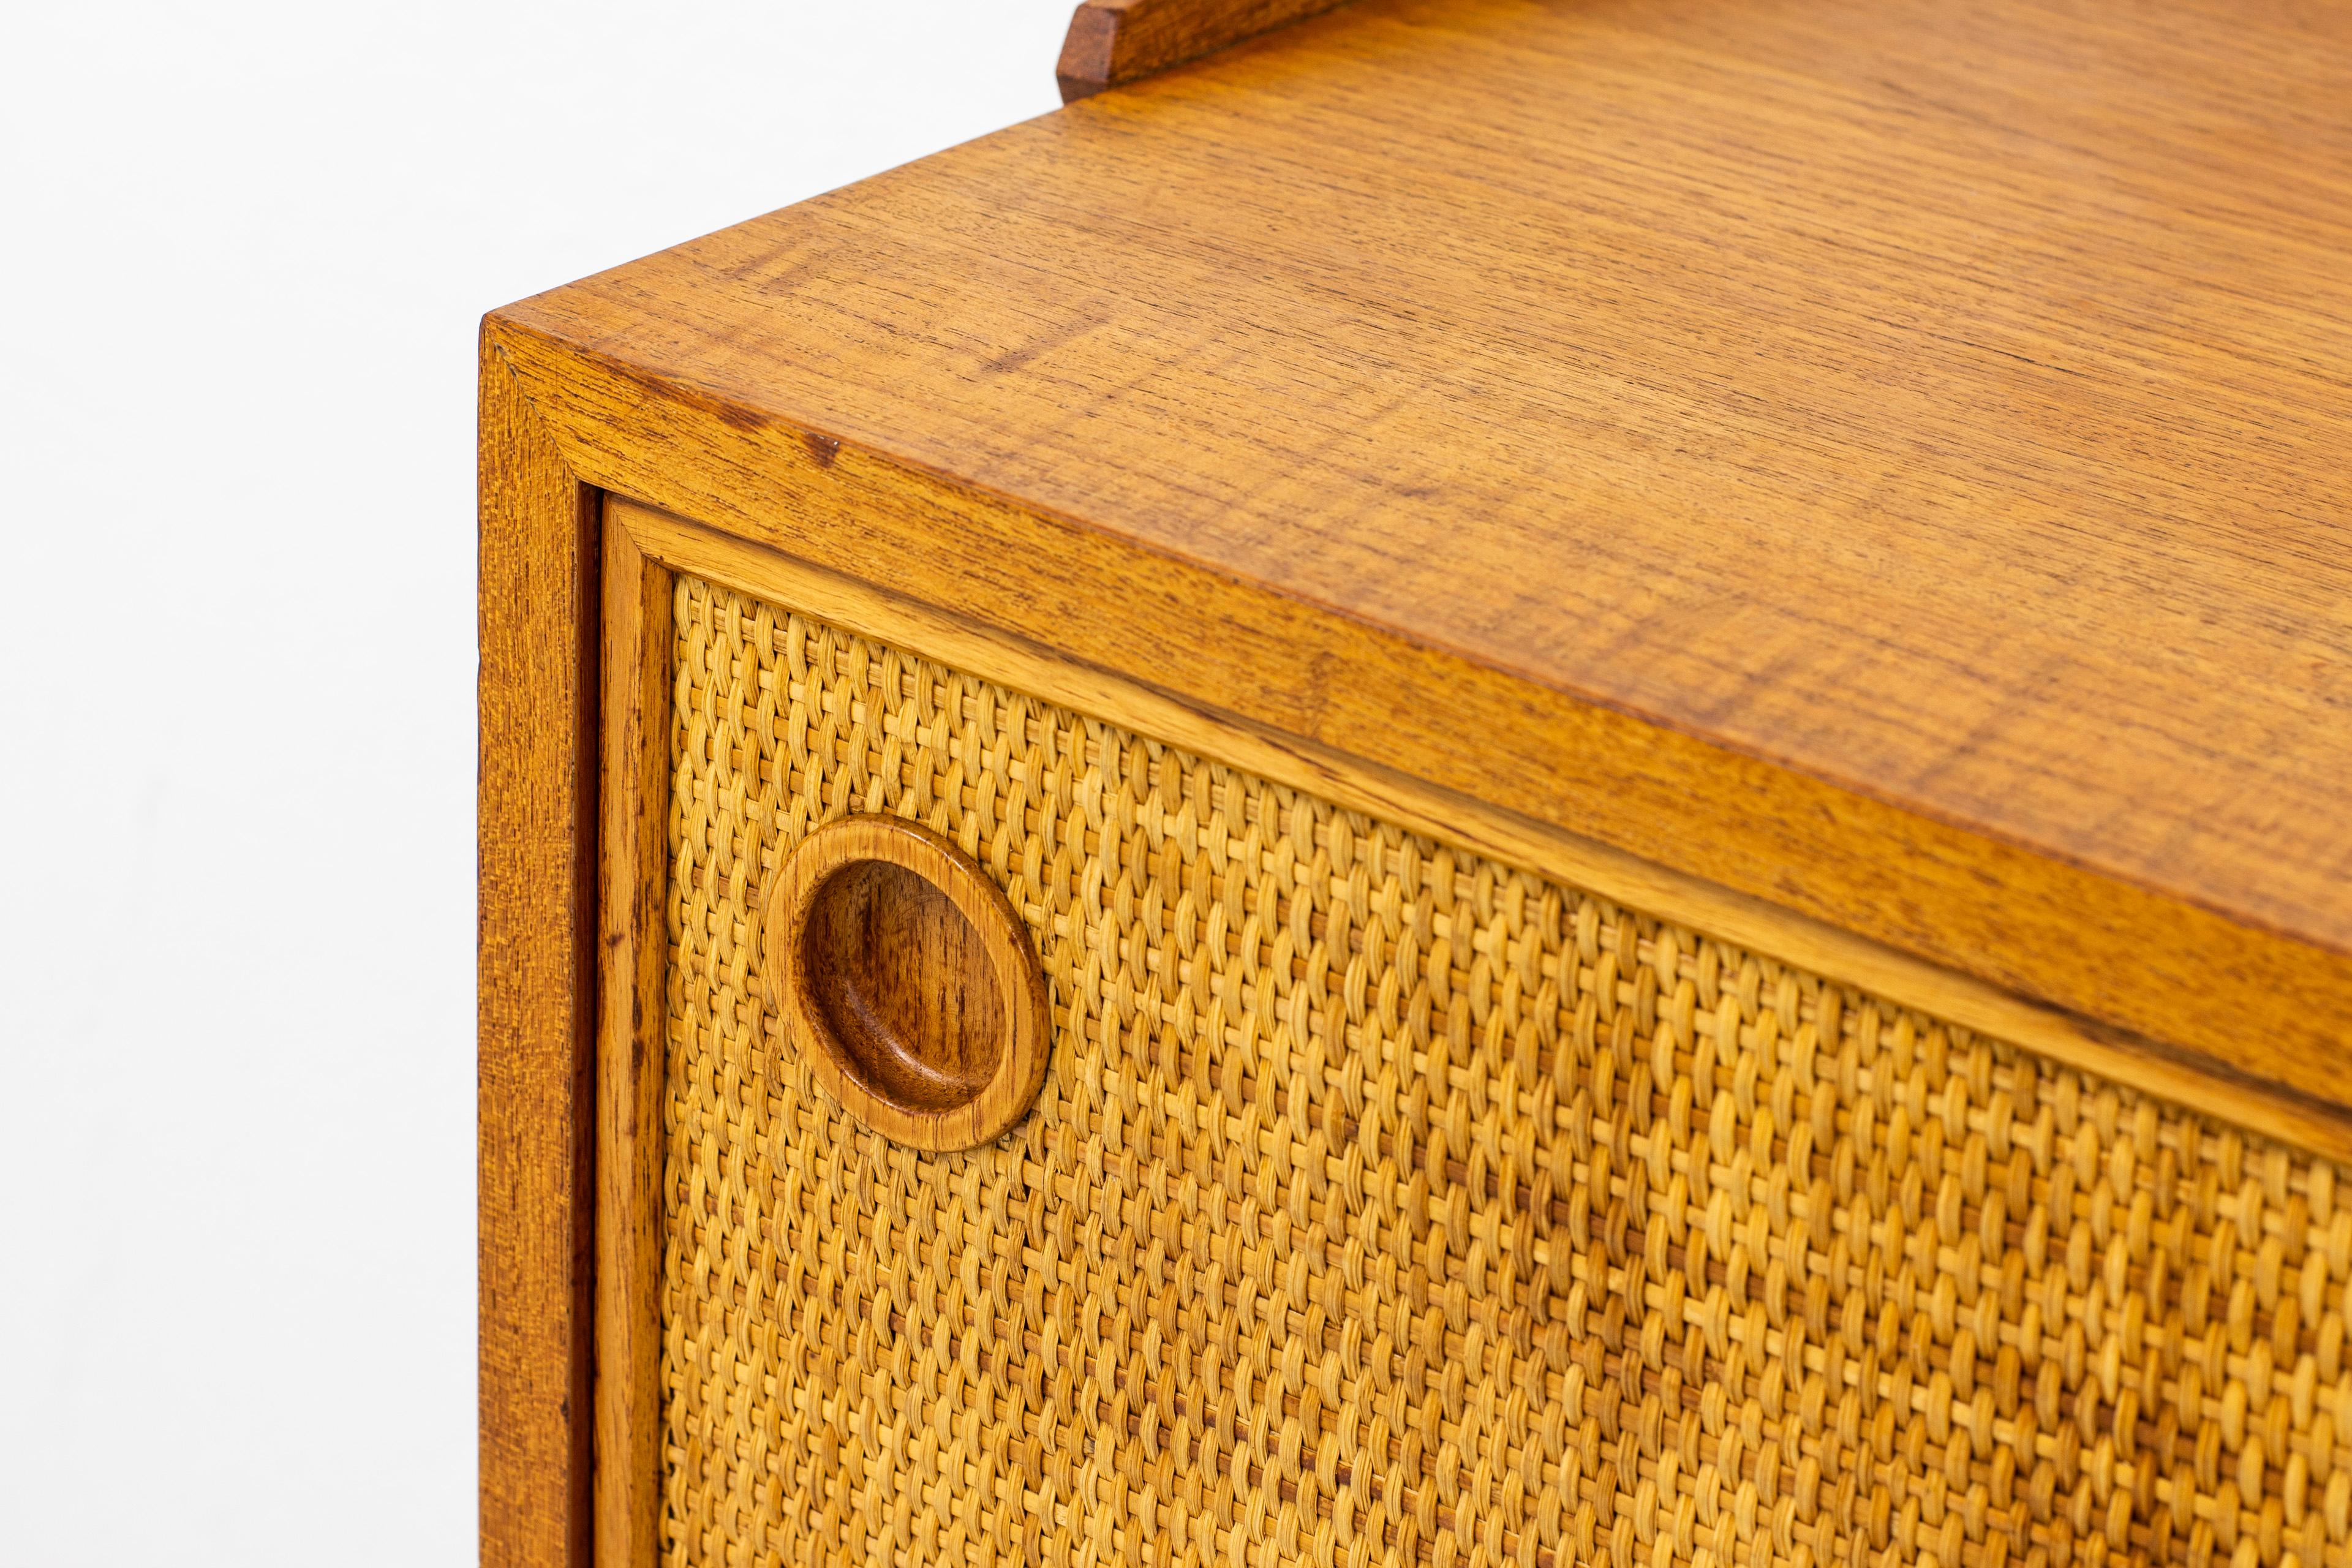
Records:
x=1460, y=782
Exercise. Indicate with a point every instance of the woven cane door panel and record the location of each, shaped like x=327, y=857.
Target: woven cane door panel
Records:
x=1386, y=1205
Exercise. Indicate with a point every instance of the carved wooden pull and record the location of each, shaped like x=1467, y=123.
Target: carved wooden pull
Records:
x=904, y=973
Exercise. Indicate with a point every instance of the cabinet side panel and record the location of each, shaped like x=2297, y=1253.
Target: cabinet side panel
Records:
x=1387, y=1203
x=536, y=800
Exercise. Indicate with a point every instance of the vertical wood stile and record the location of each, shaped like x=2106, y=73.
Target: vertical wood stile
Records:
x=630, y=1039
x=536, y=981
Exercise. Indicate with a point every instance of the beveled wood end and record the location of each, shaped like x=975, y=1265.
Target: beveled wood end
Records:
x=1113, y=42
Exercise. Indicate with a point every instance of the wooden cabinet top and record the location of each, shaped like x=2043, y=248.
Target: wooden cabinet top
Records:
x=1891, y=457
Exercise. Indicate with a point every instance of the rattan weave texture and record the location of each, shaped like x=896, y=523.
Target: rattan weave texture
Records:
x=1385, y=1204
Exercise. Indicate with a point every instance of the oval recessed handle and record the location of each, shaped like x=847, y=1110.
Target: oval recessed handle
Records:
x=910, y=980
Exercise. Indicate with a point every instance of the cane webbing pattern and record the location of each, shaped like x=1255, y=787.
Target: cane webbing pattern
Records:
x=1387, y=1205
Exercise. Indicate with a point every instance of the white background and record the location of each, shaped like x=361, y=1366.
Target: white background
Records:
x=245, y=247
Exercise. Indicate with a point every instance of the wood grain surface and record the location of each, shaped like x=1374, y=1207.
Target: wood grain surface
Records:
x=535, y=984
x=908, y=980
x=1112, y=42
x=1890, y=460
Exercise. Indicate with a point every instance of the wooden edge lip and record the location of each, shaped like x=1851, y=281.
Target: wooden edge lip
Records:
x=1113, y=42
x=1085, y=66
x=1021, y=981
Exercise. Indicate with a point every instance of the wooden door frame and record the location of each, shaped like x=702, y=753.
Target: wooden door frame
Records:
x=632, y=1043
x=573, y=796
x=535, y=979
